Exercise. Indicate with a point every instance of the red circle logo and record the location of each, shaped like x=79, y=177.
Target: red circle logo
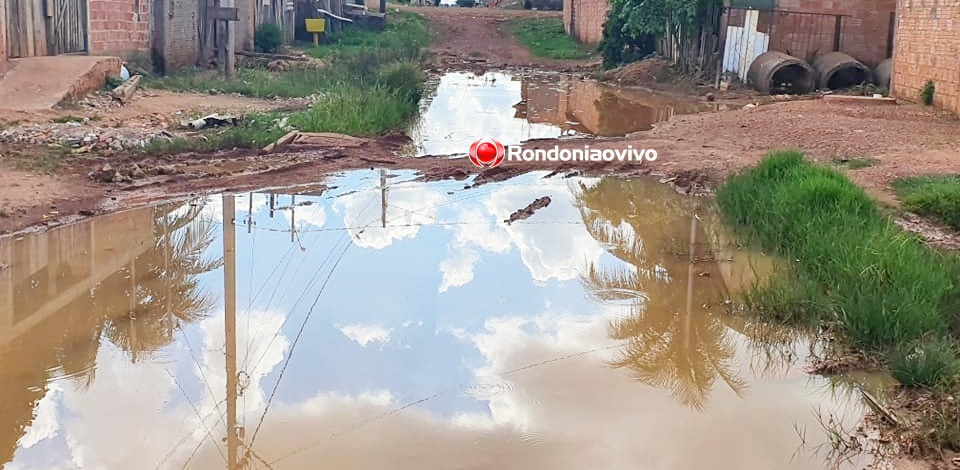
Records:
x=486, y=153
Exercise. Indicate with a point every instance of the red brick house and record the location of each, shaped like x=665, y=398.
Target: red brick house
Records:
x=53, y=27
x=168, y=30
x=583, y=19
x=927, y=47
x=805, y=29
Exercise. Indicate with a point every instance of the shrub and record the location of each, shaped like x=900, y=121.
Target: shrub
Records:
x=268, y=38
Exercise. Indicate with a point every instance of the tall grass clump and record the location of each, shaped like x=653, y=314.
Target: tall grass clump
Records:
x=884, y=286
x=934, y=195
x=369, y=84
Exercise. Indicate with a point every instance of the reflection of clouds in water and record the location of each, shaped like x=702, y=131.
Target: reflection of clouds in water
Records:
x=314, y=215
x=407, y=207
x=121, y=405
x=550, y=251
x=45, y=423
x=254, y=336
x=570, y=411
x=458, y=270
x=213, y=206
x=112, y=411
x=366, y=334
x=467, y=107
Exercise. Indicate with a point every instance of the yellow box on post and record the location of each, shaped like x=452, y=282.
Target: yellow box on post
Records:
x=316, y=26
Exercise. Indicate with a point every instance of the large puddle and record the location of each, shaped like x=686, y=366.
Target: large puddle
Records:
x=392, y=324
x=465, y=107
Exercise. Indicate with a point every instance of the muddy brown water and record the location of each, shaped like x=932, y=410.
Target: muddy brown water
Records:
x=386, y=323
x=463, y=107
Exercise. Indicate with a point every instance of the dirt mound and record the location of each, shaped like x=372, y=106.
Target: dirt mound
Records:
x=641, y=72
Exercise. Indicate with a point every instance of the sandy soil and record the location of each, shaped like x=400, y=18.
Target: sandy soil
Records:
x=478, y=38
x=697, y=150
x=148, y=105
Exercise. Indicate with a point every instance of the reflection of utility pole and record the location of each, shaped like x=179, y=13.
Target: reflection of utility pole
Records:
x=133, y=309
x=250, y=213
x=293, y=220
x=383, y=197
x=693, y=259
x=166, y=271
x=230, y=326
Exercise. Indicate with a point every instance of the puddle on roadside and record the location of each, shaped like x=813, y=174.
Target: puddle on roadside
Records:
x=581, y=337
x=512, y=109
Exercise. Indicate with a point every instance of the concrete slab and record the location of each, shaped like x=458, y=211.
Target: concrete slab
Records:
x=854, y=99
x=40, y=83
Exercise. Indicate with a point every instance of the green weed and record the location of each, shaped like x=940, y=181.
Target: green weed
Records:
x=545, y=37
x=930, y=361
x=926, y=94
x=66, y=119
x=256, y=132
x=884, y=286
x=933, y=195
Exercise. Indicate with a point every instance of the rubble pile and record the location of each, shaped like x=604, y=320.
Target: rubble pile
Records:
x=84, y=136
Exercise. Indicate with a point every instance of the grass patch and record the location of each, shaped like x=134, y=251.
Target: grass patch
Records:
x=66, y=119
x=881, y=285
x=255, y=83
x=256, y=131
x=934, y=195
x=41, y=159
x=372, y=84
x=546, y=38
x=404, y=38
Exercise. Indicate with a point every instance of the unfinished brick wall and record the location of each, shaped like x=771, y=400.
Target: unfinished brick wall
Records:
x=864, y=34
x=119, y=27
x=927, y=47
x=583, y=19
x=181, y=35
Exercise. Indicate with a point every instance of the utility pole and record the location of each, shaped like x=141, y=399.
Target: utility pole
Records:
x=230, y=326
x=229, y=64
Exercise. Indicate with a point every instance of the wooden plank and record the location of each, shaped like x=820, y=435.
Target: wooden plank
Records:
x=39, y=29
x=26, y=31
x=224, y=13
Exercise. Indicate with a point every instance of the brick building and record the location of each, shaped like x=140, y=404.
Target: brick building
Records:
x=583, y=19
x=866, y=27
x=806, y=29
x=30, y=28
x=927, y=47
x=170, y=31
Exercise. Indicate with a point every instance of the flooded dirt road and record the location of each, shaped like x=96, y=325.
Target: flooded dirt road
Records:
x=514, y=108
x=385, y=323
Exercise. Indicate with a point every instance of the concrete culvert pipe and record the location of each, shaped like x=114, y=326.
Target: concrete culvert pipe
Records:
x=882, y=73
x=776, y=73
x=837, y=71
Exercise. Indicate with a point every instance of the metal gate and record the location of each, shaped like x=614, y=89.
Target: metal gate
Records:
x=67, y=26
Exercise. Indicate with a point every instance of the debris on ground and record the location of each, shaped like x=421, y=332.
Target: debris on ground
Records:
x=528, y=211
x=640, y=72
x=84, y=135
x=315, y=139
x=125, y=91
x=212, y=120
